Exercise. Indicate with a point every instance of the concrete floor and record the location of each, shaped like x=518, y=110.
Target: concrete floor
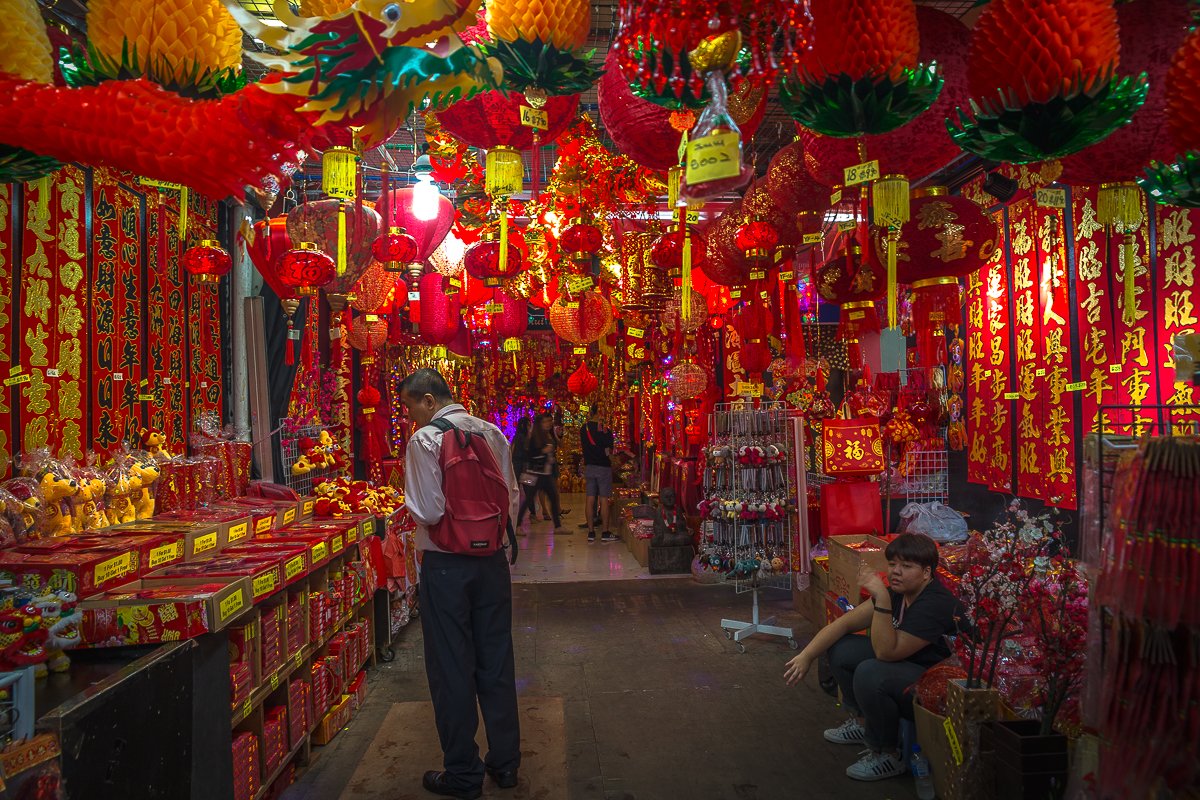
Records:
x=655, y=703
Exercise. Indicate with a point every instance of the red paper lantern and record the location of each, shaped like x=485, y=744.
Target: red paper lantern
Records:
x=640, y=129
x=756, y=239
x=760, y=204
x=512, y=320
x=581, y=241
x=317, y=221
x=367, y=334
x=266, y=245
x=306, y=268
x=855, y=285
x=475, y=292
x=395, y=249
x=724, y=263
x=494, y=118
x=790, y=184
x=373, y=290
x=207, y=261
x=482, y=261
x=582, y=382
x=753, y=324
x=440, y=313
x=667, y=252
x=583, y=323
x=428, y=233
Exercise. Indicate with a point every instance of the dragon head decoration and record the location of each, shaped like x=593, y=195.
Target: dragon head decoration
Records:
x=369, y=66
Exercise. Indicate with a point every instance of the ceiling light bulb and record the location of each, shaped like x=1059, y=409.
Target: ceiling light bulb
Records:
x=425, y=199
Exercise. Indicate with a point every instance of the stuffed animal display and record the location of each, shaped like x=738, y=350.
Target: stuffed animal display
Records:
x=341, y=497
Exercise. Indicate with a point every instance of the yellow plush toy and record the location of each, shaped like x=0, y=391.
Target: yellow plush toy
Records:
x=92, y=513
x=152, y=442
x=302, y=466
x=147, y=473
x=57, y=492
x=120, y=507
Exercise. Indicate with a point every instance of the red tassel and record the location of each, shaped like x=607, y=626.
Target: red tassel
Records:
x=936, y=304
x=289, y=355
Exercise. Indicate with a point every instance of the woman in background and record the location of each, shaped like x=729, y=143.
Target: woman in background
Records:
x=540, y=460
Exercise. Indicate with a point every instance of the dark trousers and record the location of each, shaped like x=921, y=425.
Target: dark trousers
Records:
x=466, y=619
x=876, y=690
x=547, y=484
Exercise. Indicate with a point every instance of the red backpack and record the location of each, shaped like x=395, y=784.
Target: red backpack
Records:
x=476, y=516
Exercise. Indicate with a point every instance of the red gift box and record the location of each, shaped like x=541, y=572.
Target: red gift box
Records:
x=81, y=572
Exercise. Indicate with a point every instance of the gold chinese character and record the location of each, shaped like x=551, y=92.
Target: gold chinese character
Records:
x=36, y=262
x=1098, y=384
x=1057, y=427
x=70, y=317
x=1027, y=459
x=1137, y=387
x=1176, y=229
x=1059, y=469
x=978, y=453
x=1088, y=266
x=70, y=191
x=1056, y=380
x=70, y=359
x=1022, y=242
x=978, y=412
x=935, y=214
x=1178, y=310
x=1022, y=275
x=1025, y=309
x=68, y=239
x=1088, y=225
x=1185, y=395
x=37, y=433
x=853, y=450
x=978, y=376
x=1026, y=352
x=37, y=299
x=35, y=340
x=1055, y=349
x=1027, y=426
x=1180, y=268
x=1134, y=341
x=36, y=393
x=975, y=345
x=1000, y=455
x=1092, y=304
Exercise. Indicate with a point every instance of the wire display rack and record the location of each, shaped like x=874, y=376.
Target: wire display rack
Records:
x=17, y=715
x=290, y=447
x=752, y=483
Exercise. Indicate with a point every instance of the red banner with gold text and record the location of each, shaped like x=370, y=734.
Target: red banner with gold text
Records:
x=1178, y=297
x=1057, y=418
x=1030, y=455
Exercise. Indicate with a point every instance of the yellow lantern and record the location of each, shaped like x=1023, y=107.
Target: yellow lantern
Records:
x=504, y=171
x=339, y=172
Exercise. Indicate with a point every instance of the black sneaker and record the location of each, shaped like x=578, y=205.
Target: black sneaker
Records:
x=438, y=783
x=591, y=537
x=505, y=779
x=609, y=537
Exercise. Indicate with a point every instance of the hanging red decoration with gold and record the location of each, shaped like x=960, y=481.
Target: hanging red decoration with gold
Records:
x=374, y=290
x=1178, y=183
x=789, y=184
x=494, y=118
x=752, y=321
x=862, y=75
x=1044, y=82
x=855, y=285
x=582, y=320
x=395, y=250
x=667, y=252
x=581, y=241
x=756, y=239
x=207, y=261
x=483, y=261
x=441, y=313
x=512, y=319
x=687, y=380
x=368, y=332
x=582, y=382
x=306, y=268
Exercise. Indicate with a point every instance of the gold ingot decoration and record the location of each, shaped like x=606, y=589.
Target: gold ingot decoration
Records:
x=716, y=53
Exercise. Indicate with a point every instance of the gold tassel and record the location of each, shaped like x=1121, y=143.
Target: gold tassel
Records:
x=504, y=243
x=1120, y=205
x=674, y=175
x=685, y=295
x=341, y=243
x=183, y=215
x=891, y=210
x=42, y=204
x=1129, y=257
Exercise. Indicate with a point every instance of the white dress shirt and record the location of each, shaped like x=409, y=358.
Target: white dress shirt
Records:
x=423, y=496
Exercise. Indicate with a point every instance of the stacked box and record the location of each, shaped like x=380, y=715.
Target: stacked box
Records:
x=241, y=683
x=272, y=642
x=246, y=778
x=322, y=689
x=300, y=715
x=358, y=691
x=274, y=738
x=295, y=623
x=334, y=721
x=336, y=666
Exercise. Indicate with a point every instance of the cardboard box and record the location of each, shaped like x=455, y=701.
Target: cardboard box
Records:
x=307, y=504
x=294, y=557
x=156, y=549
x=318, y=544
x=810, y=603
x=151, y=611
x=233, y=526
x=844, y=561
x=81, y=572
x=931, y=735
x=200, y=540
x=265, y=571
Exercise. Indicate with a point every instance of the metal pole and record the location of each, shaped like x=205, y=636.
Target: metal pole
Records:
x=240, y=290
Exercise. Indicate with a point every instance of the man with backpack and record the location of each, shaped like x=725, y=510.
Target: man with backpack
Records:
x=460, y=489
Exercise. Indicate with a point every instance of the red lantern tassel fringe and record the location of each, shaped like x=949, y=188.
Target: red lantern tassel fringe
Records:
x=857, y=319
x=936, y=303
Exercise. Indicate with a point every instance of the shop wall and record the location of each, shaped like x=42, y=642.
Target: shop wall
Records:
x=1050, y=341
x=101, y=331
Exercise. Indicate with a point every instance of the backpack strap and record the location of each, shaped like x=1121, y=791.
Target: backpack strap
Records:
x=512, y=542
x=445, y=426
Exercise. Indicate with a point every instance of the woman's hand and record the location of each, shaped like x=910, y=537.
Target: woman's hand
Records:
x=797, y=668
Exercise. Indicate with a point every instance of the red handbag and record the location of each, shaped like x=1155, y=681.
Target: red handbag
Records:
x=851, y=508
x=852, y=447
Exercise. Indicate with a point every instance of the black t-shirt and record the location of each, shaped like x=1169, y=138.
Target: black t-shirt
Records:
x=930, y=617
x=596, y=444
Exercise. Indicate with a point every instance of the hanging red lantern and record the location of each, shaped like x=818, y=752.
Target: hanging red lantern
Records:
x=581, y=241
x=482, y=261
x=756, y=239
x=368, y=332
x=855, y=285
x=441, y=313
x=317, y=221
x=1175, y=183
x=306, y=268
x=724, y=263
x=687, y=380
x=427, y=222
x=494, y=118
x=395, y=250
x=753, y=324
x=1044, y=82
x=207, y=261
x=266, y=244
x=374, y=290
x=789, y=183
x=667, y=252
x=583, y=320
x=512, y=320
x=716, y=297
x=582, y=382
x=373, y=425
x=475, y=292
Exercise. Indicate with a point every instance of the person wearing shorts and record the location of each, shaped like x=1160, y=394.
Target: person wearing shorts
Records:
x=597, y=445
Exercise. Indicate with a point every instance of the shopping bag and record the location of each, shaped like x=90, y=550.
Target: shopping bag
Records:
x=852, y=446
x=851, y=508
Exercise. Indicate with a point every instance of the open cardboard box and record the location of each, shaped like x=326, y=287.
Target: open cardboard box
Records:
x=844, y=561
x=200, y=539
x=155, y=610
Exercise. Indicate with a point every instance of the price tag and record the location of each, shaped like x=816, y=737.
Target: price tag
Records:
x=573, y=304
x=146, y=398
x=512, y=345
x=144, y=382
x=713, y=158
x=813, y=238
x=247, y=707
x=579, y=284
x=166, y=381
x=580, y=351
x=1012, y=395
x=835, y=198
x=495, y=308
x=118, y=376
x=861, y=173
x=275, y=681
x=293, y=334
x=203, y=384
x=299, y=659
x=439, y=351
x=1051, y=198
x=335, y=333
x=1040, y=372
x=636, y=333
x=535, y=118
x=847, y=225
x=51, y=373
x=414, y=297
x=18, y=379
x=952, y=738
x=757, y=276
x=372, y=318
x=1115, y=368
x=735, y=294
x=787, y=276
x=1078, y=386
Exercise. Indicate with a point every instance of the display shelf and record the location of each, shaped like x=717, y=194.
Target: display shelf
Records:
x=274, y=776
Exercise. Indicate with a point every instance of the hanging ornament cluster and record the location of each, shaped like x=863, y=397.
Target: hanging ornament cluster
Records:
x=1178, y=183
x=367, y=334
x=490, y=119
x=862, y=75
x=1044, y=81
x=687, y=380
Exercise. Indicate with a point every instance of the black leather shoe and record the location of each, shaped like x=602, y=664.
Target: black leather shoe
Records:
x=435, y=782
x=505, y=779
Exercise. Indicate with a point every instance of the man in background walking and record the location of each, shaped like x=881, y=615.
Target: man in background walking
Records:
x=597, y=445
x=466, y=600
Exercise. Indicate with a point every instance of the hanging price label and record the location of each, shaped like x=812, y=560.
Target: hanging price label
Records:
x=735, y=294
x=439, y=351
x=585, y=408
x=18, y=379
x=579, y=284
x=51, y=373
x=1040, y=372
x=1078, y=386
x=636, y=333
x=512, y=345
x=247, y=707
x=495, y=308
x=747, y=389
x=535, y=118
x=573, y=304
x=118, y=376
x=952, y=738
x=693, y=216
x=861, y=173
x=455, y=283
x=146, y=398
x=414, y=297
x=847, y=225
x=580, y=351
x=299, y=659
x=713, y=158
x=787, y=276
x=1115, y=368
x=275, y=681
x=335, y=333
x=1012, y=395
x=757, y=276
x=1051, y=198
x=835, y=198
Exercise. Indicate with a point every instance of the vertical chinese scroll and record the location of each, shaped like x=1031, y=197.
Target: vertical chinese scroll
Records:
x=997, y=319
x=1178, y=297
x=1026, y=269
x=1094, y=313
x=128, y=387
x=1136, y=384
x=7, y=272
x=204, y=322
x=167, y=322
x=106, y=430
x=1057, y=435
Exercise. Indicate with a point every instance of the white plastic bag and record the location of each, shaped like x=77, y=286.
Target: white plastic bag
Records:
x=941, y=523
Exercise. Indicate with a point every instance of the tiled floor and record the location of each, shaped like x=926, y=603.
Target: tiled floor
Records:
x=549, y=557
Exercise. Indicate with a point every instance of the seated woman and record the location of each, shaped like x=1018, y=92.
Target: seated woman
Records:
x=908, y=621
